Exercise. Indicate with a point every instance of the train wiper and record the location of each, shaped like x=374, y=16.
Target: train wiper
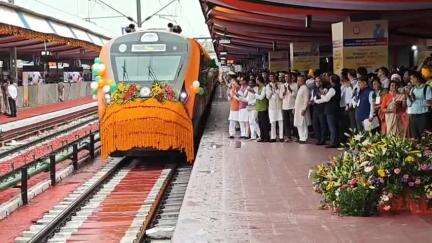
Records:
x=151, y=73
x=125, y=74
x=178, y=72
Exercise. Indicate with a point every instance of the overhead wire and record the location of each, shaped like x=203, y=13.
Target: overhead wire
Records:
x=116, y=10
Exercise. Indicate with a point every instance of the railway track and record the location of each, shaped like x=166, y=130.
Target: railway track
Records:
x=34, y=129
x=119, y=204
x=62, y=128
x=165, y=219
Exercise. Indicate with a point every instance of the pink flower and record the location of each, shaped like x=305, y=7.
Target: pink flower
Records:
x=424, y=167
x=417, y=181
x=397, y=171
x=406, y=176
x=411, y=184
x=390, y=195
x=387, y=207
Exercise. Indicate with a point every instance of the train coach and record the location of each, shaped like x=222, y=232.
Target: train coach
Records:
x=153, y=88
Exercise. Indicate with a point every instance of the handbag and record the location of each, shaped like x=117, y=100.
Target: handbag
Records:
x=371, y=125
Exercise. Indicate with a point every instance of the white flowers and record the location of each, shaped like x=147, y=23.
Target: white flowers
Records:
x=368, y=169
x=358, y=136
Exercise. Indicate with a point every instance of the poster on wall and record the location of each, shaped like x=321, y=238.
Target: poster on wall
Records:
x=279, y=61
x=304, y=56
x=364, y=44
x=31, y=75
x=32, y=78
x=73, y=75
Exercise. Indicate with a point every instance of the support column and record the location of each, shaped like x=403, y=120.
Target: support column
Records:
x=13, y=57
x=304, y=56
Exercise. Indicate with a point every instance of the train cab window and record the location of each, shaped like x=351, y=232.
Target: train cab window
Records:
x=146, y=69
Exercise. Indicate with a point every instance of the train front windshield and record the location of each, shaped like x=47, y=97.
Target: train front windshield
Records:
x=146, y=69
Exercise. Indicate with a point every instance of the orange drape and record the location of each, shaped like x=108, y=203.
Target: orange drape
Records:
x=147, y=124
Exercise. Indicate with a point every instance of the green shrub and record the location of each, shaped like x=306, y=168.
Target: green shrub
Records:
x=358, y=201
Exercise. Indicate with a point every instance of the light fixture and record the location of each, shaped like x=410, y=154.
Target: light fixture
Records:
x=183, y=97
x=122, y=47
x=224, y=53
x=145, y=92
x=414, y=48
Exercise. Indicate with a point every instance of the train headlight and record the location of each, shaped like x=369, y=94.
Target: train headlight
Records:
x=145, y=92
x=183, y=96
x=122, y=48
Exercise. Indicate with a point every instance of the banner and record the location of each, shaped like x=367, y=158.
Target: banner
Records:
x=360, y=44
x=304, y=56
x=279, y=61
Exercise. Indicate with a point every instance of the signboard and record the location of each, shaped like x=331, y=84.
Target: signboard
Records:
x=304, y=56
x=279, y=61
x=360, y=44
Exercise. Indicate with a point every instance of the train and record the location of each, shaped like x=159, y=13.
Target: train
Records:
x=153, y=89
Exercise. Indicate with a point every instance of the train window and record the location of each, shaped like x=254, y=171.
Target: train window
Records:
x=147, y=68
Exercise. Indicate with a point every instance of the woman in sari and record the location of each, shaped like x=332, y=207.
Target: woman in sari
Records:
x=391, y=107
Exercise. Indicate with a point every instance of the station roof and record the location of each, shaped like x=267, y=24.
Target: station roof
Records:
x=36, y=30
x=253, y=26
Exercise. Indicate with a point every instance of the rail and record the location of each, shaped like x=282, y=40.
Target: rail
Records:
x=29, y=130
x=49, y=229
x=43, y=138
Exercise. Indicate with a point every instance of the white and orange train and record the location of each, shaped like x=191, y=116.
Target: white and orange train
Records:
x=146, y=125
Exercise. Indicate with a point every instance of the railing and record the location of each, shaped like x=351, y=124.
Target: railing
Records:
x=19, y=176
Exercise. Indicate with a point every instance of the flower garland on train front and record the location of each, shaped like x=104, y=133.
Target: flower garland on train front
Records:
x=123, y=92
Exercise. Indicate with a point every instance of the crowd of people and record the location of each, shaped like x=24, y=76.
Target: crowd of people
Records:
x=287, y=106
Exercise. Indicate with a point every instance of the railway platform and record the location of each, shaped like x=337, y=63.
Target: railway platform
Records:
x=243, y=191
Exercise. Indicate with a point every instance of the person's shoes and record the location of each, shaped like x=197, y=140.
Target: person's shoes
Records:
x=231, y=137
x=261, y=141
x=281, y=140
x=331, y=146
x=301, y=142
x=272, y=140
x=319, y=143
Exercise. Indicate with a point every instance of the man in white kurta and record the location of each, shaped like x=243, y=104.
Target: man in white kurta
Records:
x=274, y=94
x=301, y=112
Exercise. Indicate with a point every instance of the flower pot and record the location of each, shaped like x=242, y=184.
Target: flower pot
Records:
x=419, y=206
x=398, y=204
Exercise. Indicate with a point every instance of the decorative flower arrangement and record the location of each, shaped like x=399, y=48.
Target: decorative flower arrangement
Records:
x=378, y=171
x=162, y=92
x=129, y=92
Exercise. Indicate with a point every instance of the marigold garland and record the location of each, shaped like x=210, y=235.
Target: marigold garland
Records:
x=129, y=92
x=147, y=124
